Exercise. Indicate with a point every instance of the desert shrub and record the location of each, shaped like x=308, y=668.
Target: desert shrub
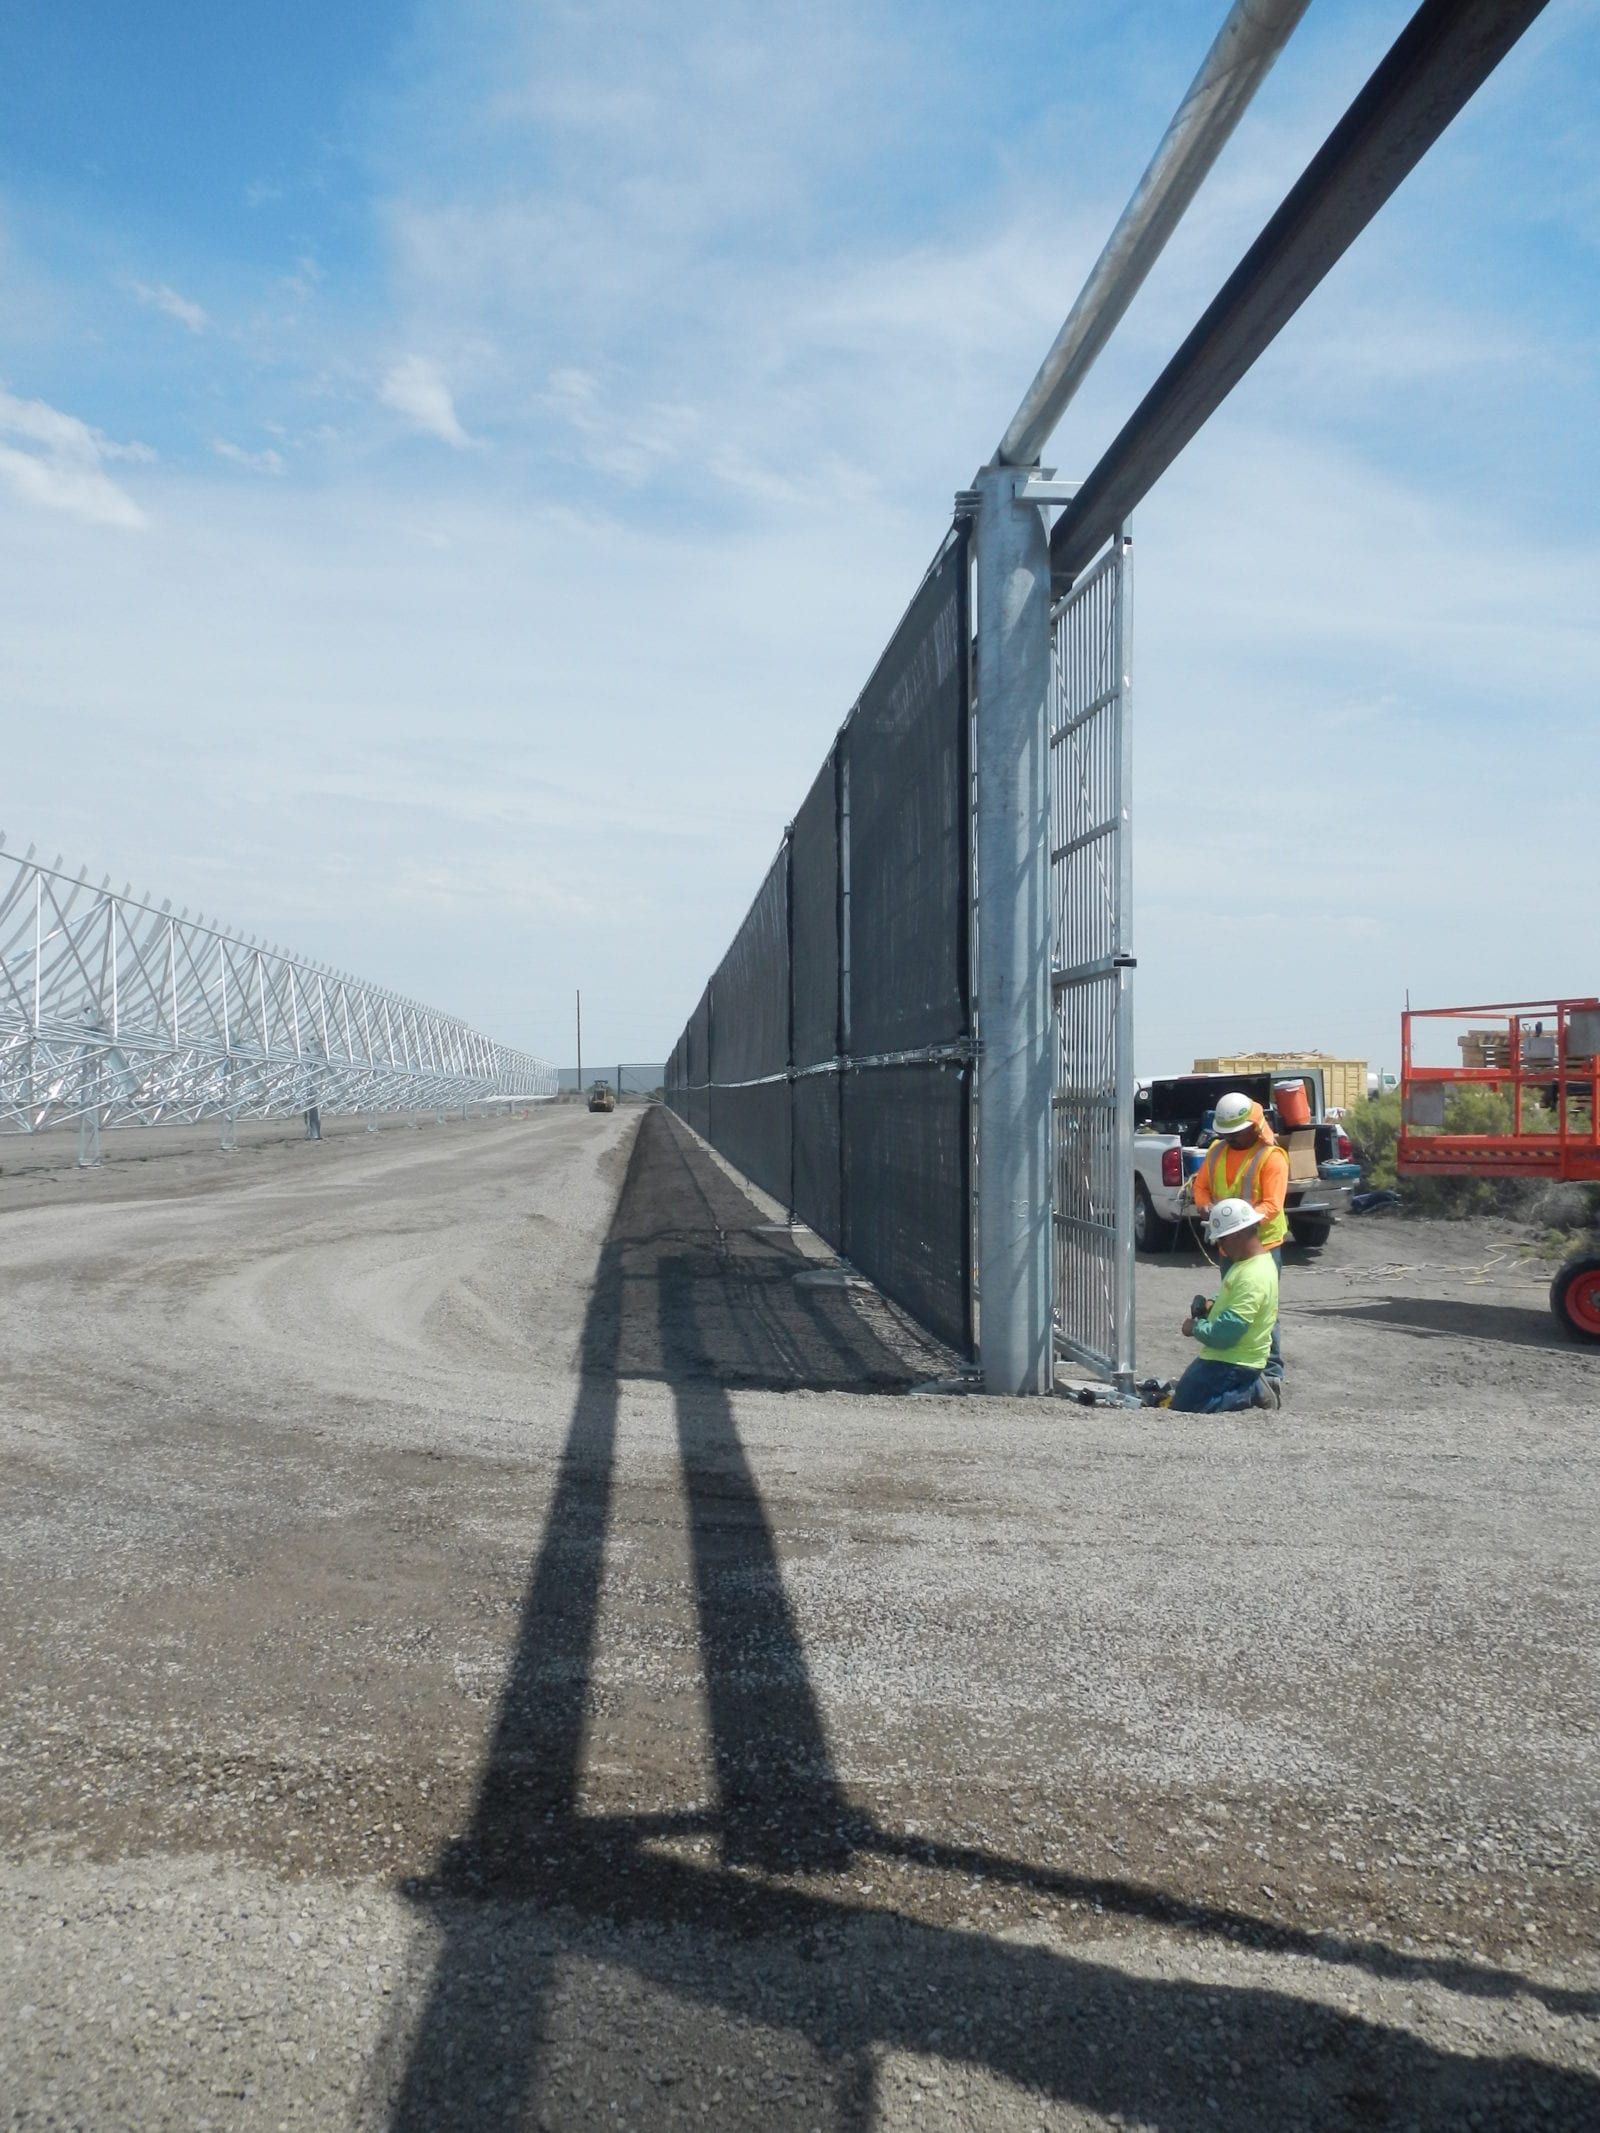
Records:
x=1374, y=1128
x=1563, y=1219
x=1565, y=1207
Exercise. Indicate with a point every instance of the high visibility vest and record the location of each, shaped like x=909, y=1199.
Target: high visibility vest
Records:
x=1276, y=1227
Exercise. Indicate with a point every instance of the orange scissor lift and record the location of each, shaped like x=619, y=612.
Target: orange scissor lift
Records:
x=1544, y=1054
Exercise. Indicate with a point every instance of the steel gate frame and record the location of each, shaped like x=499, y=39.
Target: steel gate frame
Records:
x=1091, y=964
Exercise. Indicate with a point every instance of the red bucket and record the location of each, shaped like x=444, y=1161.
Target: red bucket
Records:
x=1290, y=1098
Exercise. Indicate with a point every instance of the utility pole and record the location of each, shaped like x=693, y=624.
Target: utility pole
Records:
x=580, y=1043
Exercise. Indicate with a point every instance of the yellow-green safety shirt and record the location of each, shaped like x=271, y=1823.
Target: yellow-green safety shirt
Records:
x=1238, y=1328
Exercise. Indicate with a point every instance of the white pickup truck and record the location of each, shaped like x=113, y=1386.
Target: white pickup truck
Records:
x=1172, y=1130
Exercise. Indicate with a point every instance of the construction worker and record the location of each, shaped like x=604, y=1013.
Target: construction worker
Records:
x=1234, y=1328
x=1244, y=1162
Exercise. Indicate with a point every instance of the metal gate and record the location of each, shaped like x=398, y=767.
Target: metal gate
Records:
x=1091, y=965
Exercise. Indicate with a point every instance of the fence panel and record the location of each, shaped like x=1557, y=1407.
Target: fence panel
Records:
x=907, y=823
x=750, y=991
x=818, y=1089
x=749, y=1096
x=817, y=1111
x=863, y=923
x=907, y=1222
x=905, y=809
x=697, y=1068
x=1091, y=965
x=814, y=898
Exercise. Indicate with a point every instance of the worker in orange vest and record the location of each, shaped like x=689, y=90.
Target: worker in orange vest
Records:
x=1244, y=1162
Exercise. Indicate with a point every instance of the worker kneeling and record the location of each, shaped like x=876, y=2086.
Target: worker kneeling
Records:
x=1235, y=1328
x=1244, y=1162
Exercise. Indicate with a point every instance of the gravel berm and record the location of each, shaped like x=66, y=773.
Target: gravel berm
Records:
x=483, y=1646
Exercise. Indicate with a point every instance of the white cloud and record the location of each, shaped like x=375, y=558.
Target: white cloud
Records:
x=758, y=340
x=163, y=298
x=305, y=281
x=62, y=464
x=631, y=444
x=264, y=462
x=416, y=388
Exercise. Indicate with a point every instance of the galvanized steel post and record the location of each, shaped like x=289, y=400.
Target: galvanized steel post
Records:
x=1012, y=794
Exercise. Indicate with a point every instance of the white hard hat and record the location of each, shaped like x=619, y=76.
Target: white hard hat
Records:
x=1228, y=1217
x=1233, y=1113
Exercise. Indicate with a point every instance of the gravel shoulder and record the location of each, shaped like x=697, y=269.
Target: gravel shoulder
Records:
x=481, y=1645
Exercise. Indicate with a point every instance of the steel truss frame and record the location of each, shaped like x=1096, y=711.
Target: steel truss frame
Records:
x=116, y=1013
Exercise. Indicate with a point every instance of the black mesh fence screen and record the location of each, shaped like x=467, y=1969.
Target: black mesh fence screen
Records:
x=814, y=898
x=750, y=1022
x=751, y=1127
x=829, y=1058
x=697, y=1112
x=908, y=816
x=905, y=1170
x=817, y=1192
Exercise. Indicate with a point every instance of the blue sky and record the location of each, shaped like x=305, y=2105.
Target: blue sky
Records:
x=457, y=464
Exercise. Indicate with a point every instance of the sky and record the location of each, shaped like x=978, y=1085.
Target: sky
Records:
x=459, y=462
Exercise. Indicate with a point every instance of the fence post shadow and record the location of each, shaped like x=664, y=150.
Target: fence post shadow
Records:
x=768, y=1935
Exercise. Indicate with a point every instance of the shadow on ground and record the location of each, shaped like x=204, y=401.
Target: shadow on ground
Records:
x=719, y=1968
x=1442, y=1318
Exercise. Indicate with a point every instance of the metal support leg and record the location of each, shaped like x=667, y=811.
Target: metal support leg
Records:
x=228, y=1124
x=89, y=1116
x=1015, y=1343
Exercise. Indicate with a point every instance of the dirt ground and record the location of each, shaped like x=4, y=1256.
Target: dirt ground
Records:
x=481, y=1645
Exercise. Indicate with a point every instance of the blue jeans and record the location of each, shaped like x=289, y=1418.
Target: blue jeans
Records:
x=1215, y=1388
x=1273, y=1367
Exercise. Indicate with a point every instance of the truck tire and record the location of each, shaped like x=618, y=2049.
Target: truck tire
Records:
x=1575, y=1297
x=1151, y=1232
x=1312, y=1231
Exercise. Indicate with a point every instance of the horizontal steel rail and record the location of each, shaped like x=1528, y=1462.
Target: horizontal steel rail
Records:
x=116, y=1012
x=1232, y=71
x=1440, y=59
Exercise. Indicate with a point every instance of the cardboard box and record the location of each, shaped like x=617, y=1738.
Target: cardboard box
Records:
x=1301, y=1148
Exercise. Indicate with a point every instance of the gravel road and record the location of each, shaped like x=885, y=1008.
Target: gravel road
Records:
x=482, y=1646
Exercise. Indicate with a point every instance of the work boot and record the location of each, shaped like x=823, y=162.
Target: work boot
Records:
x=1268, y=1393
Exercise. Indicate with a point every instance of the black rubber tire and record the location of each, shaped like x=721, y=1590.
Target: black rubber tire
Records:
x=1577, y=1276
x=1311, y=1231
x=1151, y=1232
